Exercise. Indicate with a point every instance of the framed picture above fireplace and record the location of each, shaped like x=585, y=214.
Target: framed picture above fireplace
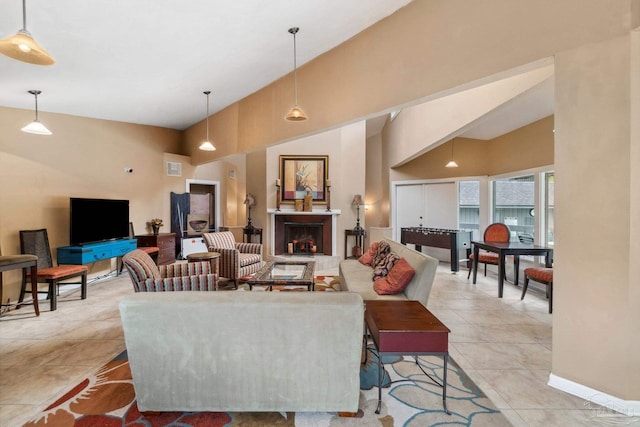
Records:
x=300, y=174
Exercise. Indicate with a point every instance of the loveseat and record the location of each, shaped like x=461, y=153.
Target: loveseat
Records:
x=244, y=351
x=357, y=277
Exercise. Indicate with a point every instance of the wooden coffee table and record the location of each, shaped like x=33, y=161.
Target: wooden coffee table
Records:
x=400, y=328
x=284, y=273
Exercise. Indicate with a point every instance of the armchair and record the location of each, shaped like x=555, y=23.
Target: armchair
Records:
x=236, y=259
x=148, y=277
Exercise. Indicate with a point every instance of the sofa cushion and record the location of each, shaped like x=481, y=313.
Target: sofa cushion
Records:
x=382, y=250
x=249, y=259
x=385, y=265
x=367, y=257
x=397, y=279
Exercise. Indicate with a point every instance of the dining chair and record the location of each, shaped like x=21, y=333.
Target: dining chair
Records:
x=494, y=233
x=36, y=242
x=542, y=275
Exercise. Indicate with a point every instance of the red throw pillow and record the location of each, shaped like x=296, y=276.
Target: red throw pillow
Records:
x=367, y=257
x=397, y=280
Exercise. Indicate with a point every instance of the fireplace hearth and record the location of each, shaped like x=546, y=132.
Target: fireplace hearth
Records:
x=303, y=239
x=307, y=234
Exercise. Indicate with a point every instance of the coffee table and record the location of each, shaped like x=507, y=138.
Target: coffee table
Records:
x=284, y=273
x=400, y=328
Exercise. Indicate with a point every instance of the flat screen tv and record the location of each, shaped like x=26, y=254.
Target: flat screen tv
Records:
x=98, y=220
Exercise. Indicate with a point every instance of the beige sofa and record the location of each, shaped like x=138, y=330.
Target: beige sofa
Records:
x=244, y=351
x=357, y=277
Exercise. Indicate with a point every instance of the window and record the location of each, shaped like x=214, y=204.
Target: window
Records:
x=514, y=205
x=469, y=206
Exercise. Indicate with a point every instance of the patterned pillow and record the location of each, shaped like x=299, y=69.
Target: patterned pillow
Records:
x=384, y=266
x=381, y=252
x=397, y=279
x=367, y=257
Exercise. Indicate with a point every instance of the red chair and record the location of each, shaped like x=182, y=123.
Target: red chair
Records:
x=542, y=275
x=495, y=233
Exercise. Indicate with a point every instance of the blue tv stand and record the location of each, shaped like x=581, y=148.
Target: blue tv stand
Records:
x=93, y=252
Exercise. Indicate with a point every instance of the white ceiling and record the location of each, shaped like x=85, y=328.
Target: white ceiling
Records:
x=148, y=61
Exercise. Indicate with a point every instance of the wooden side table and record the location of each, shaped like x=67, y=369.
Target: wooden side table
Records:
x=400, y=328
x=359, y=236
x=212, y=257
x=249, y=232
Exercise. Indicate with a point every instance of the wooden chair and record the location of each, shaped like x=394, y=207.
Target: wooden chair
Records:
x=495, y=233
x=542, y=275
x=36, y=242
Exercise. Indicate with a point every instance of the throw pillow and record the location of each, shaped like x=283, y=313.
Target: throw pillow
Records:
x=367, y=257
x=382, y=251
x=397, y=280
x=384, y=266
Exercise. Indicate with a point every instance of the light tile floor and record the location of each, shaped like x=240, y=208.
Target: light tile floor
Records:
x=504, y=345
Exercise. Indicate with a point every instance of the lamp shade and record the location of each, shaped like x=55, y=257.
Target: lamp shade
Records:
x=357, y=200
x=296, y=114
x=37, y=128
x=207, y=146
x=23, y=47
x=451, y=164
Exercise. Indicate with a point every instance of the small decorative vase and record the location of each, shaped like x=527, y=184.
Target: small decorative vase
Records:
x=156, y=229
x=308, y=202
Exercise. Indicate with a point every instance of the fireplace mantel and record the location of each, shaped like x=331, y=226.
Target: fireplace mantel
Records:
x=316, y=212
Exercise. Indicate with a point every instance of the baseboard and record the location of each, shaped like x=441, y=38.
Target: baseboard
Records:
x=630, y=408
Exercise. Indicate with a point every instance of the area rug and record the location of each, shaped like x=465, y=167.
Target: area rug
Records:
x=107, y=399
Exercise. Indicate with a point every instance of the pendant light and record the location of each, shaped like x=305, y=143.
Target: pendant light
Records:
x=207, y=145
x=452, y=163
x=23, y=47
x=35, y=126
x=296, y=114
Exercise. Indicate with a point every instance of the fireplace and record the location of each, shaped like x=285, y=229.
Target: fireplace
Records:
x=307, y=230
x=303, y=238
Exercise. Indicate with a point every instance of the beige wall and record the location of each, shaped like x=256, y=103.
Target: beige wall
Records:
x=420, y=52
x=529, y=147
x=595, y=320
x=346, y=148
x=83, y=158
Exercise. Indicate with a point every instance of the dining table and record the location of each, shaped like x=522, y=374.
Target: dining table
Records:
x=510, y=248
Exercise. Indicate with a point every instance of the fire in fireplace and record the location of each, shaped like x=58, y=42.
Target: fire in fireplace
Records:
x=303, y=238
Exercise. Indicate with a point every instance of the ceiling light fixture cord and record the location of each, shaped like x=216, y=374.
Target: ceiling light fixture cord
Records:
x=296, y=114
x=207, y=145
x=294, y=31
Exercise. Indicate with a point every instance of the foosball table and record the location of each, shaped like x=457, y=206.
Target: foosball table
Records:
x=454, y=240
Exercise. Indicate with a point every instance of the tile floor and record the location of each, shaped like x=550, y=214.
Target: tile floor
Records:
x=504, y=345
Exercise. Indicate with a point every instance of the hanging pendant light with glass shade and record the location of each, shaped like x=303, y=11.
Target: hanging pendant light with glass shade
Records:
x=207, y=145
x=296, y=114
x=452, y=163
x=23, y=47
x=35, y=126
